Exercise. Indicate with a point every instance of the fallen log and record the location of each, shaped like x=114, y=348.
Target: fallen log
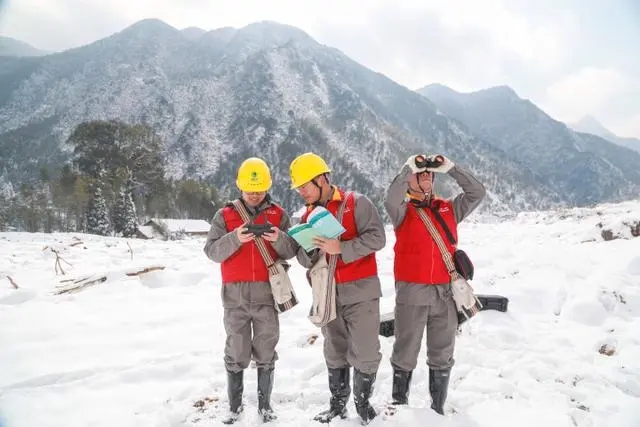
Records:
x=145, y=270
x=94, y=279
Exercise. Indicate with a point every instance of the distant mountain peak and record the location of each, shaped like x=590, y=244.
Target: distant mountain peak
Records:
x=275, y=32
x=193, y=33
x=14, y=47
x=194, y=29
x=590, y=124
x=147, y=27
x=267, y=25
x=152, y=23
x=589, y=119
x=437, y=88
x=498, y=91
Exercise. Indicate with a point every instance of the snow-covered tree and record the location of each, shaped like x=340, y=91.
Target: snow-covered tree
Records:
x=118, y=213
x=129, y=218
x=98, y=215
x=125, y=219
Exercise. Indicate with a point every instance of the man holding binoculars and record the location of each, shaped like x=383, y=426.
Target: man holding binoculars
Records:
x=423, y=293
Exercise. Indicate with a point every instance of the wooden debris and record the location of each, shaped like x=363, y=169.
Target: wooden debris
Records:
x=145, y=270
x=13, y=283
x=87, y=281
x=59, y=260
x=312, y=338
x=76, y=241
x=79, y=284
x=130, y=250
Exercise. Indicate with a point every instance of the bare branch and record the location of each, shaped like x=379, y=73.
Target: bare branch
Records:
x=15, y=285
x=146, y=270
x=59, y=260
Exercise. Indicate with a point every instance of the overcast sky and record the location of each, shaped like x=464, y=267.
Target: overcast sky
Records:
x=570, y=57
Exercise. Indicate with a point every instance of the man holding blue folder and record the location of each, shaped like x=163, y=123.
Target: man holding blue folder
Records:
x=351, y=339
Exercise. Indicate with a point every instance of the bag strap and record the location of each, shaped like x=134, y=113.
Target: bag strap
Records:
x=443, y=224
x=262, y=246
x=446, y=256
x=333, y=259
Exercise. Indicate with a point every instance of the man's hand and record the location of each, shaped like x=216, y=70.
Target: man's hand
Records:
x=330, y=246
x=444, y=165
x=273, y=235
x=242, y=234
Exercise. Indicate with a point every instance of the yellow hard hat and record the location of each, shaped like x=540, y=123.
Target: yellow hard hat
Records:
x=254, y=176
x=305, y=167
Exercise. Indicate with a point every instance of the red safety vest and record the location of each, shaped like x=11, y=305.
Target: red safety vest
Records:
x=417, y=257
x=246, y=264
x=361, y=268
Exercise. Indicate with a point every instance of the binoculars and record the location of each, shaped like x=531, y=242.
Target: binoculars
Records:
x=423, y=162
x=258, y=229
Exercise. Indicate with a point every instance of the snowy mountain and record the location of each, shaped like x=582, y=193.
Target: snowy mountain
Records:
x=12, y=47
x=589, y=124
x=583, y=167
x=147, y=350
x=193, y=33
x=266, y=89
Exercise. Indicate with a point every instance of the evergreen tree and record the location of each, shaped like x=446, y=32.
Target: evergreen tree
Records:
x=81, y=199
x=118, y=169
x=4, y=212
x=129, y=217
x=125, y=220
x=97, y=215
x=118, y=213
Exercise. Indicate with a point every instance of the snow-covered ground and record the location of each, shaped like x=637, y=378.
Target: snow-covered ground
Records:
x=141, y=350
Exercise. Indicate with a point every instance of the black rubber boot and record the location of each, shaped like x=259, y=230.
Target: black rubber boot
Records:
x=401, y=383
x=362, y=390
x=438, y=385
x=235, y=387
x=340, y=389
x=265, y=385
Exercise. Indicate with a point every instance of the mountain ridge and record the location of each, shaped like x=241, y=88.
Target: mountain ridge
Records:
x=586, y=167
x=265, y=89
x=589, y=124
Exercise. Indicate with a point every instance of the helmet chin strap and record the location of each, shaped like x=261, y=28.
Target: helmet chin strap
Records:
x=427, y=196
x=424, y=202
x=319, y=201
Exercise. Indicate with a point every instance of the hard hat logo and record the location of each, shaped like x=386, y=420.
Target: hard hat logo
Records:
x=254, y=175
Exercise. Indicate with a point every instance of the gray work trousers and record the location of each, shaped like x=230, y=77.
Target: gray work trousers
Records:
x=351, y=339
x=418, y=307
x=252, y=325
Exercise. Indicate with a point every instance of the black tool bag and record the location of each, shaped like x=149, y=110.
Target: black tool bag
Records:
x=463, y=264
x=387, y=324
